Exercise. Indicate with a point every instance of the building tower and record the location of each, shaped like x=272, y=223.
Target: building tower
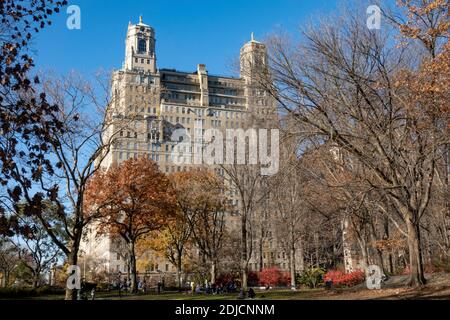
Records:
x=253, y=60
x=140, y=48
x=253, y=68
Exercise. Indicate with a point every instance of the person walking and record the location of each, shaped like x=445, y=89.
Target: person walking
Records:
x=144, y=287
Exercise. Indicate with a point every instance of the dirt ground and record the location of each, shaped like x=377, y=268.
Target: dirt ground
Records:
x=438, y=287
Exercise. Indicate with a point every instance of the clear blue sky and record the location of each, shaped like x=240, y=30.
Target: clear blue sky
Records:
x=188, y=32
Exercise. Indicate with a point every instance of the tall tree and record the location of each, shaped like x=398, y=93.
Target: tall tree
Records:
x=133, y=200
x=9, y=260
x=77, y=152
x=288, y=206
x=201, y=199
x=172, y=242
x=37, y=252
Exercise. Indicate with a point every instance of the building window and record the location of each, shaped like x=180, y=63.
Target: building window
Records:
x=142, y=46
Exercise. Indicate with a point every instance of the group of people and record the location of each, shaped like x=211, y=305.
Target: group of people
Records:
x=250, y=293
x=125, y=286
x=208, y=288
x=214, y=289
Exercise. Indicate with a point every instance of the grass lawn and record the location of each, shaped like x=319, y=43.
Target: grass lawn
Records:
x=438, y=287
x=260, y=295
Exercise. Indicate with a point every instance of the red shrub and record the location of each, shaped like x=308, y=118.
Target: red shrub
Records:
x=341, y=279
x=285, y=279
x=270, y=276
x=274, y=277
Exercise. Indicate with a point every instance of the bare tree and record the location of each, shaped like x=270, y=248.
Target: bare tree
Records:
x=9, y=259
x=35, y=247
x=78, y=151
x=289, y=205
x=341, y=85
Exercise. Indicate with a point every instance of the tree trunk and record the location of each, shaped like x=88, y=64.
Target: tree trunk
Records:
x=292, y=265
x=417, y=277
x=133, y=271
x=316, y=244
x=244, y=267
x=300, y=264
x=391, y=264
x=5, y=279
x=179, y=271
x=261, y=256
x=390, y=253
x=363, y=247
x=213, y=271
x=380, y=260
x=348, y=259
x=244, y=278
x=36, y=280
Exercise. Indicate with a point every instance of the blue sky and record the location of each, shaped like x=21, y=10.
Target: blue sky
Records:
x=188, y=32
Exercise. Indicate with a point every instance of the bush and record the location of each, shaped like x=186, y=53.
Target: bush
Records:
x=341, y=279
x=270, y=276
x=442, y=265
x=311, y=278
x=285, y=279
x=274, y=277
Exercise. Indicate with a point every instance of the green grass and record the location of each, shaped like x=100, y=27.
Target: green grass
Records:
x=260, y=295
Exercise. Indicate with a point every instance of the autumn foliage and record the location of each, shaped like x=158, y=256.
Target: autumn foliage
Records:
x=341, y=279
x=131, y=201
x=273, y=277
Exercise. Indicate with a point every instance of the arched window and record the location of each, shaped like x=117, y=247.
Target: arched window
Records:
x=142, y=45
